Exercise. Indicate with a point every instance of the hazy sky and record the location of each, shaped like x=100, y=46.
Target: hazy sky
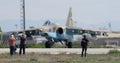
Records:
x=87, y=13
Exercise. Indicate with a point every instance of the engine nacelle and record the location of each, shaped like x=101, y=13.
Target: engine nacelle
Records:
x=60, y=30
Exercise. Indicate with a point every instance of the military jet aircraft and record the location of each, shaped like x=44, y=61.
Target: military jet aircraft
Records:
x=68, y=34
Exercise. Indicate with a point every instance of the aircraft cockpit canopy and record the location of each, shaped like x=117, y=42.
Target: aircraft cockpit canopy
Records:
x=47, y=23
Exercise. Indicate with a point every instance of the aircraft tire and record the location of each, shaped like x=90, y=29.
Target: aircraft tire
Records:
x=47, y=44
x=69, y=44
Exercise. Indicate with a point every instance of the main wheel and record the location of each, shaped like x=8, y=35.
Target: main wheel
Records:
x=69, y=44
x=47, y=44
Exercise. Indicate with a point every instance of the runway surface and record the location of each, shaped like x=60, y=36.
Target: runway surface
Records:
x=61, y=50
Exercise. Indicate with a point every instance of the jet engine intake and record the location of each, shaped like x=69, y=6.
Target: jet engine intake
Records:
x=59, y=30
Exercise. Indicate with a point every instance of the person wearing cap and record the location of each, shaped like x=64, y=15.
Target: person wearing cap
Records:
x=84, y=44
x=22, y=44
x=12, y=42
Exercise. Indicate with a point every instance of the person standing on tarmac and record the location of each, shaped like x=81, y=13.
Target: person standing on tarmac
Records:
x=22, y=44
x=12, y=42
x=84, y=44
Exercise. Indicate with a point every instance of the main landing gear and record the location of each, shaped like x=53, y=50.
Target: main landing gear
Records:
x=49, y=44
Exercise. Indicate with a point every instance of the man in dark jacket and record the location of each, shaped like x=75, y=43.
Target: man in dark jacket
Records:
x=84, y=44
x=22, y=44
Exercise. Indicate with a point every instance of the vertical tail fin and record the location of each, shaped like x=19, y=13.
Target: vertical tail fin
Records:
x=69, y=23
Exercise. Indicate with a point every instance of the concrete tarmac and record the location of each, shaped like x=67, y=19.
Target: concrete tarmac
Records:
x=61, y=50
